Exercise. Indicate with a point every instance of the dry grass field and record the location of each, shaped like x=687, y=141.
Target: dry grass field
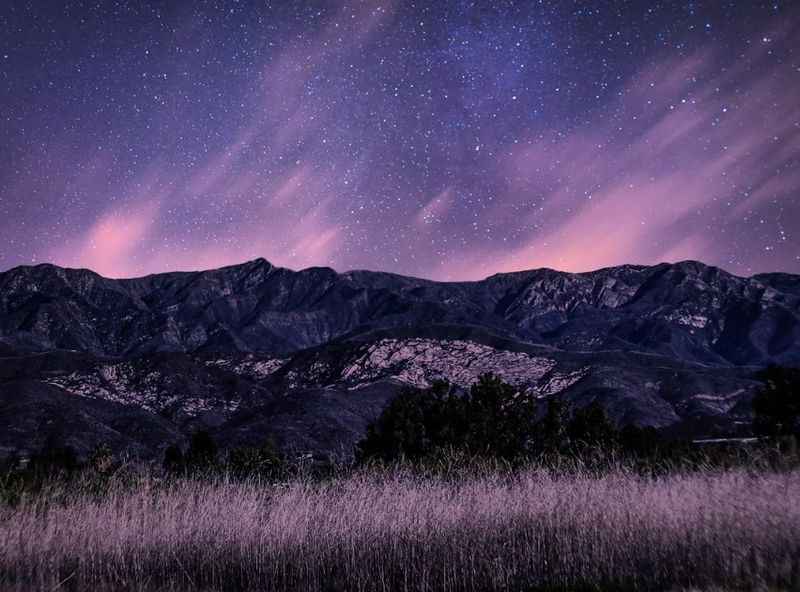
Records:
x=396, y=531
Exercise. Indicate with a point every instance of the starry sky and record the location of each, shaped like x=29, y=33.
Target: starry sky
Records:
x=447, y=139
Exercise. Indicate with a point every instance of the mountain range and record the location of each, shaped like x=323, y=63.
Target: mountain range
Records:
x=309, y=358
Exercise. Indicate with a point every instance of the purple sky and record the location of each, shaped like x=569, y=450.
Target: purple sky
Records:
x=446, y=140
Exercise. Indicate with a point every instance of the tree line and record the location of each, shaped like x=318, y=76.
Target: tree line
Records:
x=492, y=420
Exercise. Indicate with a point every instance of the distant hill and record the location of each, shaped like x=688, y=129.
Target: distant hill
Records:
x=309, y=357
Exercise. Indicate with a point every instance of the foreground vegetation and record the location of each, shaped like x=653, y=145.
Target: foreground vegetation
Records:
x=449, y=492
x=396, y=530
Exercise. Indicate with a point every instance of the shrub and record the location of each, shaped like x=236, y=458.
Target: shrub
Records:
x=101, y=460
x=200, y=457
x=264, y=462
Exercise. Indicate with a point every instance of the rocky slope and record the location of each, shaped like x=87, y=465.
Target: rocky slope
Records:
x=321, y=400
x=309, y=358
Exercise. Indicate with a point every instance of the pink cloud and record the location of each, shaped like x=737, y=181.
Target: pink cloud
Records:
x=111, y=246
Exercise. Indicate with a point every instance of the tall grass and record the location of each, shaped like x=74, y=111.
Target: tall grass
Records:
x=396, y=531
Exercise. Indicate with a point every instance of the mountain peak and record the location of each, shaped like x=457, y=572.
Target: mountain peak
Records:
x=258, y=262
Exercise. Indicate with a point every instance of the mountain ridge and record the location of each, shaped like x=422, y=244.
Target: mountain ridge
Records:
x=310, y=357
x=686, y=309
x=263, y=260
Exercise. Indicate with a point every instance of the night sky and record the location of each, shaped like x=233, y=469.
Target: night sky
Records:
x=449, y=140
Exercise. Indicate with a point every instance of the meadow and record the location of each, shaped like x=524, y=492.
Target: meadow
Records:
x=532, y=529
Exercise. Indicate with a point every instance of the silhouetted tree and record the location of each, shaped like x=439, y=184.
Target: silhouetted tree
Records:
x=414, y=424
x=640, y=442
x=174, y=460
x=494, y=419
x=590, y=426
x=777, y=404
x=501, y=419
x=552, y=430
x=202, y=452
x=497, y=420
x=55, y=458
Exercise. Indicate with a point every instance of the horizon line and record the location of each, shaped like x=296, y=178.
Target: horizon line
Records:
x=410, y=276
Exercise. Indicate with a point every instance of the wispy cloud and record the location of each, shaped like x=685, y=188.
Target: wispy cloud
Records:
x=112, y=244
x=276, y=199
x=692, y=148
x=682, y=162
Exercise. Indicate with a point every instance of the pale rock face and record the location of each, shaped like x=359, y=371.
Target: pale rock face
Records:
x=255, y=368
x=688, y=319
x=419, y=362
x=557, y=383
x=718, y=404
x=262, y=368
x=112, y=382
x=151, y=390
x=416, y=362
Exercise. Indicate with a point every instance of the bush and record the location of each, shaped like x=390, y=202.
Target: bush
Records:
x=101, y=460
x=202, y=452
x=200, y=457
x=264, y=462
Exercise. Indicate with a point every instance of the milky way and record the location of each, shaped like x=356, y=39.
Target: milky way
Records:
x=448, y=140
